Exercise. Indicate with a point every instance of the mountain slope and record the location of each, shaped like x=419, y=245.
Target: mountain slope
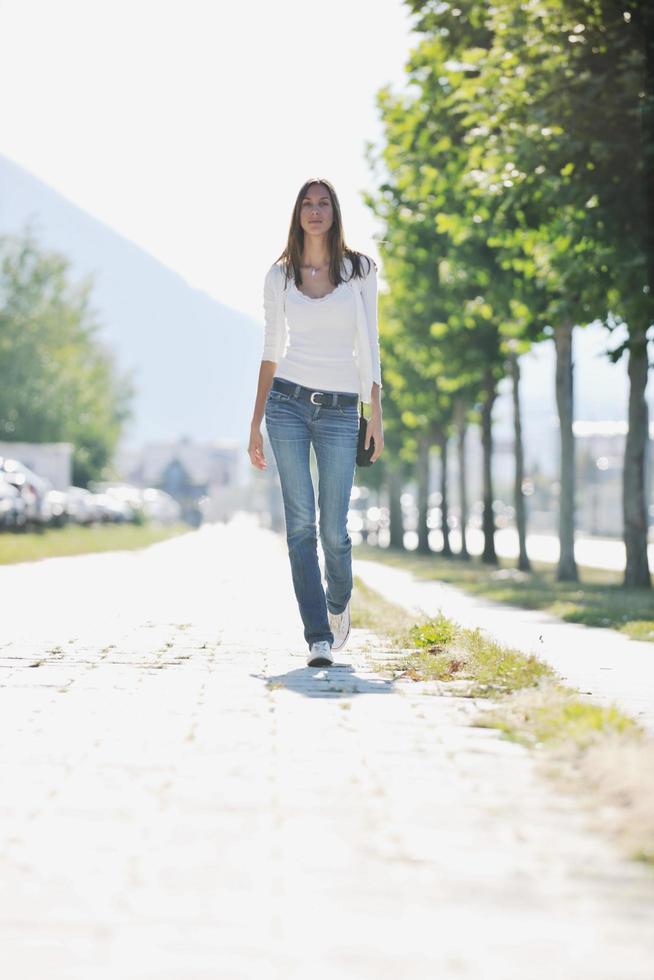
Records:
x=194, y=361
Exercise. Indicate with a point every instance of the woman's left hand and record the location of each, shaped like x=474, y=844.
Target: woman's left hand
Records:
x=375, y=430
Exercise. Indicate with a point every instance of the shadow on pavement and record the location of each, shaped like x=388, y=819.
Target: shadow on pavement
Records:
x=339, y=680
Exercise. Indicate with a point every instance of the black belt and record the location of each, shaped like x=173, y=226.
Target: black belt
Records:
x=328, y=398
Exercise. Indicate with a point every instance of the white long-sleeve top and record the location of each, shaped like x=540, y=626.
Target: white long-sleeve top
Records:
x=331, y=342
x=321, y=337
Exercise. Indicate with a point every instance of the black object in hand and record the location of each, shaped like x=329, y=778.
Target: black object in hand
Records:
x=363, y=455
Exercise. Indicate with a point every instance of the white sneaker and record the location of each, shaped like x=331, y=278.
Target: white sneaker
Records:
x=339, y=624
x=320, y=654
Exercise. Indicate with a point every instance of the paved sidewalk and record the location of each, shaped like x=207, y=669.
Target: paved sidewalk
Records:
x=603, y=664
x=184, y=800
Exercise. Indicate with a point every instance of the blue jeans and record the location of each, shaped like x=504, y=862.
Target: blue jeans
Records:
x=293, y=425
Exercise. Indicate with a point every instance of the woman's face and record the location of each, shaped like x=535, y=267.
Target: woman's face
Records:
x=316, y=213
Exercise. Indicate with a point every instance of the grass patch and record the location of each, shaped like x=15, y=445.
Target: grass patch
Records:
x=595, y=751
x=555, y=714
x=439, y=649
x=598, y=600
x=74, y=539
x=435, y=633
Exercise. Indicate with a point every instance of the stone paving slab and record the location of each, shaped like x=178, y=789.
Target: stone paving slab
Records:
x=184, y=800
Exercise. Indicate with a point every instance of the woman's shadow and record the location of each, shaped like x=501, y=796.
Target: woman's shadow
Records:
x=339, y=680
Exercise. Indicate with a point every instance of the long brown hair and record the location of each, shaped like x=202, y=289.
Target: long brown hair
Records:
x=291, y=257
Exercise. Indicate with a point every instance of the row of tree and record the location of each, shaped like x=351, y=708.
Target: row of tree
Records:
x=515, y=189
x=58, y=381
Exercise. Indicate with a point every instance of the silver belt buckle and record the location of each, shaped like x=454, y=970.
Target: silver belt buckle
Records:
x=315, y=393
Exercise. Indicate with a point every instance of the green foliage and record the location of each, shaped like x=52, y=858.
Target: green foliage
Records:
x=436, y=632
x=508, y=200
x=559, y=716
x=439, y=649
x=501, y=669
x=58, y=382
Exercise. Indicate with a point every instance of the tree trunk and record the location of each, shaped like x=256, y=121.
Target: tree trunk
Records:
x=636, y=475
x=634, y=501
x=567, y=567
x=488, y=522
x=446, y=550
x=395, y=507
x=462, y=428
x=424, y=444
x=518, y=496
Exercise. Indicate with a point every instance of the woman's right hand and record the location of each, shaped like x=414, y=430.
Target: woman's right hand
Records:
x=255, y=449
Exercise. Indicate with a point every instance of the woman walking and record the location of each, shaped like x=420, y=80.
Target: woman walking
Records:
x=320, y=355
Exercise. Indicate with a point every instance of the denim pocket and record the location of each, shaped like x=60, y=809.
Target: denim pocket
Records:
x=278, y=396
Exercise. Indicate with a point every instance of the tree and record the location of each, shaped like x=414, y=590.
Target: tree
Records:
x=58, y=381
x=576, y=186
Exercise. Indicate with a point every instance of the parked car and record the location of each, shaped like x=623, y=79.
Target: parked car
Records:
x=80, y=506
x=57, y=505
x=111, y=509
x=145, y=503
x=126, y=500
x=32, y=487
x=159, y=506
x=13, y=509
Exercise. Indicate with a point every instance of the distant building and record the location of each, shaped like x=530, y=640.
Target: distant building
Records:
x=202, y=477
x=176, y=481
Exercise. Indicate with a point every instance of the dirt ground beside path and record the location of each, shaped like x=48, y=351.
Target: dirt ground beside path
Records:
x=184, y=799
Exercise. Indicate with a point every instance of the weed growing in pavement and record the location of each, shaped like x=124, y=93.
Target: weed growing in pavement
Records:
x=556, y=714
x=439, y=649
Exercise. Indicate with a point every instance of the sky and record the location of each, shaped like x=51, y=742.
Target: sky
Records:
x=189, y=126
